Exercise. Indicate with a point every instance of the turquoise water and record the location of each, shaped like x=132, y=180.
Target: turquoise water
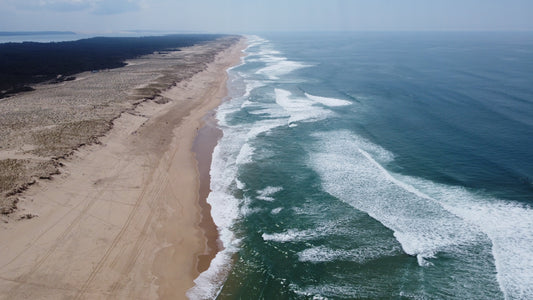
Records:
x=375, y=165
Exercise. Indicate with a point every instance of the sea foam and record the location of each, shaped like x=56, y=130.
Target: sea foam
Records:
x=276, y=210
x=233, y=150
x=426, y=217
x=267, y=193
x=280, y=67
x=508, y=225
x=225, y=209
x=300, y=109
x=421, y=226
x=359, y=255
x=331, y=102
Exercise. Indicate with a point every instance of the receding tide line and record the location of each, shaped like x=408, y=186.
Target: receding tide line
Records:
x=206, y=139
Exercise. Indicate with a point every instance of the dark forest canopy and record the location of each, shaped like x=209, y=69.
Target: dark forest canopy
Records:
x=22, y=64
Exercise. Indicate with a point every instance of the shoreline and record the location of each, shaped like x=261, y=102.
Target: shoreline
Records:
x=207, y=138
x=205, y=142
x=123, y=219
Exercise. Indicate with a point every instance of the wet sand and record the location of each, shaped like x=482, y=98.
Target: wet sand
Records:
x=204, y=144
x=124, y=217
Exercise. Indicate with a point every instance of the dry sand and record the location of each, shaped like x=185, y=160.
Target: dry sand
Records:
x=122, y=220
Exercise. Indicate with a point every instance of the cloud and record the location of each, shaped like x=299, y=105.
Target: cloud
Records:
x=52, y=5
x=116, y=7
x=98, y=7
x=65, y=6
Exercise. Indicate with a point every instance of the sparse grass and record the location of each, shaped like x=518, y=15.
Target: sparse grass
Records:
x=55, y=119
x=60, y=140
x=13, y=171
x=17, y=174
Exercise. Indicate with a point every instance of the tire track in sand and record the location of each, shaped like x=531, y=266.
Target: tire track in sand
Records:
x=23, y=279
x=149, y=189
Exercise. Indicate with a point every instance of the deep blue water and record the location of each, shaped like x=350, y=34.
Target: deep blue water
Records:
x=376, y=165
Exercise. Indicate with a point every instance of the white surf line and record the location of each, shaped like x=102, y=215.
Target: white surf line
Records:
x=512, y=285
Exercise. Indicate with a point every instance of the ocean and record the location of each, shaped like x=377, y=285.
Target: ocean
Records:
x=375, y=165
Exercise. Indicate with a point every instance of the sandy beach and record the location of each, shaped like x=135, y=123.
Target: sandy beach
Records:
x=123, y=216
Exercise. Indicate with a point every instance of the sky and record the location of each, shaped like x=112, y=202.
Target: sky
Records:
x=245, y=16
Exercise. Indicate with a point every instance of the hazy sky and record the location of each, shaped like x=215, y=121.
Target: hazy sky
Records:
x=241, y=16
